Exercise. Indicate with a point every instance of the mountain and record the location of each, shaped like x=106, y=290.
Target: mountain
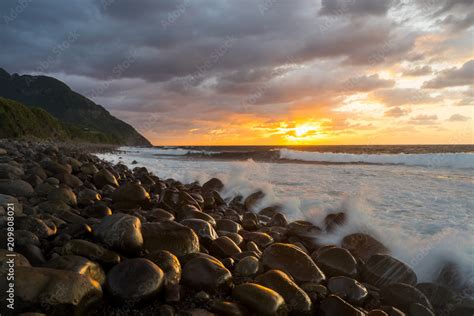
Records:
x=68, y=106
x=18, y=120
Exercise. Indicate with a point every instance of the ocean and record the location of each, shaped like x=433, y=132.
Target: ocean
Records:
x=417, y=200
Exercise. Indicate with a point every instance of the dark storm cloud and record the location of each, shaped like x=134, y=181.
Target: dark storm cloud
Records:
x=356, y=7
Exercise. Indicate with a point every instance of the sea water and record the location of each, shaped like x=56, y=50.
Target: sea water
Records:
x=420, y=205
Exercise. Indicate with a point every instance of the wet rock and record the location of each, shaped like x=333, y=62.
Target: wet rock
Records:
x=35, y=225
x=88, y=196
x=333, y=220
x=6, y=261
x=292, y=261
x=234, y=236
x=349, y=289
x=296, y=299
x=224, y=247
x=69, y=180
x=171, y=236
x=278, y=219
x=89, y=168
x=97, y=210
x=247, y=266
x=105, y=177
x=262, y=240
x=440, y=297
x=363, y=245
x=53, y=167
x=120, y=231
x=203, y=229
x=336, y=261
x=213, y=184
x=79, y=265
x=131, y=195
x=226, y=308
x=17, y=188
x=250, y=221
x=417, y=309
x=134, y=281
x=63, y=194
x=303, y=229
x=8, y=171
x=159, y=215
x=402, y=295
x=169, y=263
x=261, y=300
x=207, y=274
x=8, y=199
x=90, y=250
x=60, y=292
x=334, y=305
x=381, y=270
x=228, y=225
x=252, y=200
x=22, y=238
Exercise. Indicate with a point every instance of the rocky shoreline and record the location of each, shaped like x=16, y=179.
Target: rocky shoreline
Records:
x=92, y=238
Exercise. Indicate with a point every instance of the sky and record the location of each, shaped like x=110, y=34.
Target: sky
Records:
x=255, y=72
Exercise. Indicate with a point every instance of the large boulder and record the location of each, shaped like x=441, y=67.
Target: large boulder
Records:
x=134, y=281
x=120, y=231
x=63, y=194
x=363, y=245
x=59, y=292
x=401, y=296
x=334, y=305
x=349, y=289
x=291, y=260
x=261, y=300
x=79, y=265
x=105, y=177
x=17, y=188
x=336, y=262
x=168, y=235
x=131, y=195
x=295, y=298
x=381, y=270
x=90, y=250
x=224, y=247
x=207, y=274
x=169, y=263
x=202, y=228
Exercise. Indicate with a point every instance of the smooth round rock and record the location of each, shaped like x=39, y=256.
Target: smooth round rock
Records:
x=134, y=281
x=293, y=261
x=203, y=229
x=79, y=265
x=169, y=235
x=159, y=215
x=105, y=177
x=226, y=308
x=63, y=194
x=131, y=194
x=60, y=292
x=347, y=288
x=401, y=296
x=89, y=168
x=261, y=300
x=381, y=270
x=206, y=274
x=90, y=250
x=213, y=184
x=120, y=231
x=228, y=225
x=295, y=298
x=16, y=188
x=334, y=305
x=336, y=262
x=247, y=266
x=169, y=263
x=363, y=245
x=69, y=179
x=224, y=247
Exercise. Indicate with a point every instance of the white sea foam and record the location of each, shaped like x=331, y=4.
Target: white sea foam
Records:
x=438, y=160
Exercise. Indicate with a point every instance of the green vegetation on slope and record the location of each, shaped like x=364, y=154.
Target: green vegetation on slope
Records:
x=89, y=119
x=18, y=120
